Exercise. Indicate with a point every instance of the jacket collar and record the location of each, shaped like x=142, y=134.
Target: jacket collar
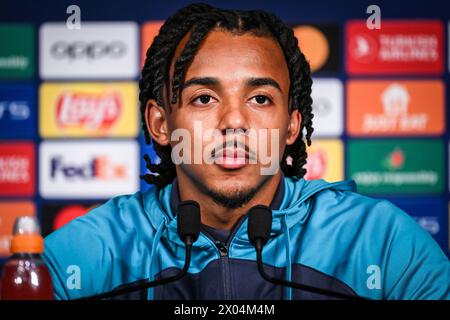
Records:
x=274, y=205
x=295, y=207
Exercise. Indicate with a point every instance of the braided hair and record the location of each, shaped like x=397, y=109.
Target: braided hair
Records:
x=200, y=19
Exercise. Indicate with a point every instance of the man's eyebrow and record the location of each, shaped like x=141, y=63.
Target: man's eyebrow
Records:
x=202, y=81
x=211, y=81
x=256, y=82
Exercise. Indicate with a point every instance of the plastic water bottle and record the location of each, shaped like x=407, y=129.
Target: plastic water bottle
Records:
x=25, y=275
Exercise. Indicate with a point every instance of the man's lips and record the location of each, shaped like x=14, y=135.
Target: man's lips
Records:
x=231, y=158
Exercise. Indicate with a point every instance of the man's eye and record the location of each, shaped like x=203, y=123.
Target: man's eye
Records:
x=260, y=99
x=203, y=99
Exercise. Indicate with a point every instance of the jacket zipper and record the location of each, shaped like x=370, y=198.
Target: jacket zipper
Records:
x=223, y=250
x=225, y=268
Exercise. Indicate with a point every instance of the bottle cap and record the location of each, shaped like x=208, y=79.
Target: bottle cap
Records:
x=27, y=236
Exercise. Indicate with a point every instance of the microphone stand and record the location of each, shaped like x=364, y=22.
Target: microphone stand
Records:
x=140, y=286
x=259, y=247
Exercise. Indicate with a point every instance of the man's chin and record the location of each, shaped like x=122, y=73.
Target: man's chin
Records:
x=232, y=198
x=231, y=190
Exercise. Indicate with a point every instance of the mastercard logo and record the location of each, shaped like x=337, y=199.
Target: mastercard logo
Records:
x=148, y=32
x=69, y=213
x=314, y=45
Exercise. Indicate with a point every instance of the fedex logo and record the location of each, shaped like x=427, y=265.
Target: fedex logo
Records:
x=88, y=169
x=101, y=167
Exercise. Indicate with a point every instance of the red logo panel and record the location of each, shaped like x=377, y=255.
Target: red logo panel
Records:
x=399, y=47
x=17, y=169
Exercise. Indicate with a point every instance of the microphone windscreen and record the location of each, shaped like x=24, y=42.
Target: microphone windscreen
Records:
x=188, y=220
x=259, y=223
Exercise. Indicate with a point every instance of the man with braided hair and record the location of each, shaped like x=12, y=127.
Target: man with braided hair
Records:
x=232, y=73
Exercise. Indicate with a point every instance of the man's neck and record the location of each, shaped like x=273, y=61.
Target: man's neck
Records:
x=219, y=217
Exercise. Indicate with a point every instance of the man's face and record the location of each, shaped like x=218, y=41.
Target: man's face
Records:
x=238, y=83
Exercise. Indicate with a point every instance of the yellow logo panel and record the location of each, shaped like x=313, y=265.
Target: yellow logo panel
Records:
x=325, y=160
x=82, y=110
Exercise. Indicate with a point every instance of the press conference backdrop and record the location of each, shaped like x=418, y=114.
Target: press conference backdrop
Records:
x=70, y=134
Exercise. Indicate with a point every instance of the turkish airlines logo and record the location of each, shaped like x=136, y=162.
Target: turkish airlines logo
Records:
x=363, y=48
x=393, y=48
x=419, y=47
x=88, y=50
x=400, y=47
x=87, y=110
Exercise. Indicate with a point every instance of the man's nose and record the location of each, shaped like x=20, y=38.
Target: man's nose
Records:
x=233, y=115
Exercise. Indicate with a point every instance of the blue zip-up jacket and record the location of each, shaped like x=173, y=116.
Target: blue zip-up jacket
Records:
x=323, y=234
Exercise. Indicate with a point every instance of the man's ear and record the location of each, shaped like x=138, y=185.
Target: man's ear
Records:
x=156, y=122
x=294, y=126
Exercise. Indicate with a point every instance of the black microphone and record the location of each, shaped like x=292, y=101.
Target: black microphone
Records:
x=188, y=227
x=259, y=227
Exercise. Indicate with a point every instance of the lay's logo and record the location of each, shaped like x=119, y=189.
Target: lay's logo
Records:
x=88, y=110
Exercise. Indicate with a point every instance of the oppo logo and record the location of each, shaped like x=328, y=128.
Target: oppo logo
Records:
x=88, y=50
x=321, y=106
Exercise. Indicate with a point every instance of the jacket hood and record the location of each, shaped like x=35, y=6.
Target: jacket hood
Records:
x=295, y=207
